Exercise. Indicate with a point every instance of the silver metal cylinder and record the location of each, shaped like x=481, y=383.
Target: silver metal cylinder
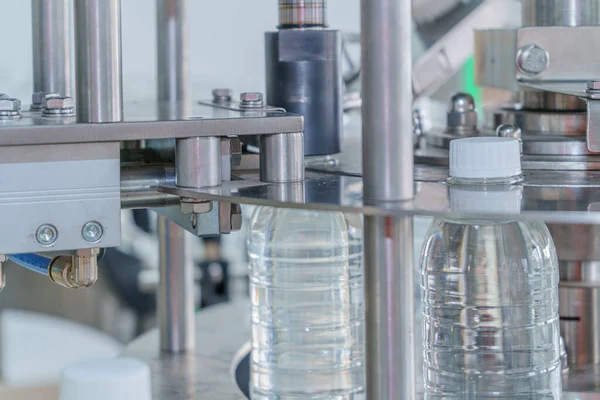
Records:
x=172, y=35
x=388, y=177
x=175, y=308
x=579, y=303
x=282, y=158
x=302, y=14
x=98, y=50
x=561, y=12
x=390, y=323
x=52, y=59
x=198, y=162
x=387, y=109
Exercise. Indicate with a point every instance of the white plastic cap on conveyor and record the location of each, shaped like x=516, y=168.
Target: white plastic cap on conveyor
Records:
x=114, y=379
x=484, y=158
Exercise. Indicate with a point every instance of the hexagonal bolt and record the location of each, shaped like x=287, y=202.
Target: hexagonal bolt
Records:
x=461, y=117
x=532, y=59
x=593, y=86
x=10, y=104
x=230, y=217
x=251, y=100
x=222, y=95
x=193, y=206
x=37, y=97
x=58, y=106
x=232, y=147
x=46, y=235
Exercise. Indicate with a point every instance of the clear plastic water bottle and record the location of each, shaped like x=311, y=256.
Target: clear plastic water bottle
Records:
x=306, y=288
x=490, y=289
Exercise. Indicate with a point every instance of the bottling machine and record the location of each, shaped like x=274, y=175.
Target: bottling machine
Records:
x=77, y=156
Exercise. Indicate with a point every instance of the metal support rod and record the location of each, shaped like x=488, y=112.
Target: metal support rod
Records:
x=98, y=51
x=175, y=308
x=51, y=34
x=388, y=177
x=172, y=58
x=176, y=297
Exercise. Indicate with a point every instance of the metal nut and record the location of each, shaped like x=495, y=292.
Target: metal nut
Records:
x=593, y=86
x=230, y=217
x=222, y=95
x=192, y=206
x=251, y=97
x=58, y=103
x=10, y=104
x=532, y=59
x=37, y=97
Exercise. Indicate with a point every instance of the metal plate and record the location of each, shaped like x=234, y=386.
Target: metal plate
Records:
x=567, y=61
x=552, y=196
x=147, y=121
x=539, y=123
x=221, y=331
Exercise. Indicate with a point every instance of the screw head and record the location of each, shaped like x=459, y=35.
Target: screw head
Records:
x=46, y=235
x=92, y=232
x=37, y=97
x=533, y=59
x=251, y=97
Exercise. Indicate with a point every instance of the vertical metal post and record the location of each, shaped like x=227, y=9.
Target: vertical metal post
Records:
x=175, y=308
x=176, y=287
x=172, y=58
x=388, y=177
x=51, y=34
x=99, y=71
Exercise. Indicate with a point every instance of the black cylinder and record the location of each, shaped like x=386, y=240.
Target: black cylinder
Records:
x=304, y=76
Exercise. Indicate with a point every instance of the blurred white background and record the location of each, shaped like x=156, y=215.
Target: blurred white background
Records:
x=226, y=44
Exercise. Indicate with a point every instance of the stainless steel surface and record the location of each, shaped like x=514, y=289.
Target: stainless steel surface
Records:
x=304, y=76
x=198, y=162
x=550, y=123
x=282, y=158
x=580, y=311
x=142, y=121
x=302, y=14
x=175, y=298
x=98, y=60
x=222, y=333
x=561, y=13
x=565, y=61
x=582, y=383
x=555, y=146
x=172, y=34
x=548, y=195
x=544, y=101
x=495, y=55
x=51, y=34
x=449, y=41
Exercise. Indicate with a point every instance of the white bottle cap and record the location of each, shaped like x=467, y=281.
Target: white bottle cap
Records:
x=114, y=379
x=484, y=158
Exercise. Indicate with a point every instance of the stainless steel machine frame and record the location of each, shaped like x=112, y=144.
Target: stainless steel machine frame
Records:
x=194, y=193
